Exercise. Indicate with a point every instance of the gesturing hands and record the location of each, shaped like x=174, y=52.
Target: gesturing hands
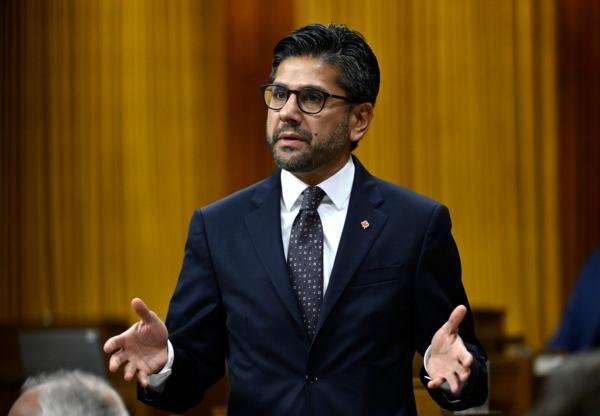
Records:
x=449, y=359
x=142, y=348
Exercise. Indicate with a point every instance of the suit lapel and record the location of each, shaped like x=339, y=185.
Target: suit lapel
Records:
x=357, y=236
x=264, y=226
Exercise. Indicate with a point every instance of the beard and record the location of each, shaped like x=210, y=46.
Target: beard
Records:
x=318, y=153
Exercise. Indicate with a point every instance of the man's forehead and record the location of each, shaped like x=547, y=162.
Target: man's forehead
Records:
x=305, y=71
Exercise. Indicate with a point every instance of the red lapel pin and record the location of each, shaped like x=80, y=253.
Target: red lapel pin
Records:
x=365, y=224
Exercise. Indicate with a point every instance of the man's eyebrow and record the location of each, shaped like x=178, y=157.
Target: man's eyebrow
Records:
x=303, y=87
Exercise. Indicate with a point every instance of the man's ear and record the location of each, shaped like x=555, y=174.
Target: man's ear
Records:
x=360, y=120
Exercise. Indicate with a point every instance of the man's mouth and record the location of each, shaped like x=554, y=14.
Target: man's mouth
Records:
x=291, y=138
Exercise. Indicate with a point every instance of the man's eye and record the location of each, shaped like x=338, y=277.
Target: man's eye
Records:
x=312, y=96
x=279, y=94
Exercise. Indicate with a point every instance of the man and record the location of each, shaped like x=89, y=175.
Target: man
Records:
x=67, y=393
x=317, y=284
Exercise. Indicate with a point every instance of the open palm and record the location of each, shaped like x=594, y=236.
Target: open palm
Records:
x=142, y=349
x=449, y=359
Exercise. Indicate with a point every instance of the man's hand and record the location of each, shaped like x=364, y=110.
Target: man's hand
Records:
x=142, y=348
x=449, y=360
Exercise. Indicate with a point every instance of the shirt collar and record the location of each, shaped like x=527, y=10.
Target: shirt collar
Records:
x=337, y=187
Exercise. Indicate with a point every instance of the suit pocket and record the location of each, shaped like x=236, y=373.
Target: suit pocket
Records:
x=377, y=276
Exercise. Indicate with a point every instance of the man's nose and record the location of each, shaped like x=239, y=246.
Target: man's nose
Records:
x=291, y=112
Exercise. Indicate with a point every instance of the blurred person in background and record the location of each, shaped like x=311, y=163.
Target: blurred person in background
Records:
x=579, y=329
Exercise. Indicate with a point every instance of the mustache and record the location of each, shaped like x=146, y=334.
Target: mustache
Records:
x=305, y=135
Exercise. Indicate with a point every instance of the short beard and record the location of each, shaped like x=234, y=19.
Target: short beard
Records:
x=319, y=154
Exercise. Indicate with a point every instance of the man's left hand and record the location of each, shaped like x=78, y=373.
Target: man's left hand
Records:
x=449, y=359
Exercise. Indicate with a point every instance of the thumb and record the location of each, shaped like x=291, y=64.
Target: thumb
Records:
x=142, y=310
x=456, y=317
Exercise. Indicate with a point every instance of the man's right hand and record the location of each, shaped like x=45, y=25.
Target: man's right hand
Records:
x=142, y=348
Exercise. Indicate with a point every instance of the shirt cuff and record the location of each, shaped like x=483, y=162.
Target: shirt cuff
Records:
x=157, y=381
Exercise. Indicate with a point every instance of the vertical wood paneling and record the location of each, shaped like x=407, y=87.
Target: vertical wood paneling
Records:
x=579, y=106
x=33, y=165
x=116, y=134
x=11, y=57
x=253, y=29
x=547, y=118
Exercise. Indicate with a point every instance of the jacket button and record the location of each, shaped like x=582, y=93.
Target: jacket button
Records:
x=311, y=379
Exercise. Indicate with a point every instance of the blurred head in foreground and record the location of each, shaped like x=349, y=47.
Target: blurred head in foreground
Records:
x=66, y=393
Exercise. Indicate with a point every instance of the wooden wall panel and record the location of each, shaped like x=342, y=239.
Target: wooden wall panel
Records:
x=253, y=29
x=113, y=133
x=579, y=108
x=11, y=56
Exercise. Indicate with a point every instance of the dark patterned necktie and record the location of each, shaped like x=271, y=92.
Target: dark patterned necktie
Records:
x=305, y=258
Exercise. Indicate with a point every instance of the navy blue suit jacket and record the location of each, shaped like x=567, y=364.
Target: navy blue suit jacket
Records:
x=392, y=286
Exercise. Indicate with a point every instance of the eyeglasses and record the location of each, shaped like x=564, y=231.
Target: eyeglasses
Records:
x=310, y=100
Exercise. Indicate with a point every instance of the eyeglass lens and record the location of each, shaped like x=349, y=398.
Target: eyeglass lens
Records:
x=310, y=100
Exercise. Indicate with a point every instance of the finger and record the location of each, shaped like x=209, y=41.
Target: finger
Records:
x=435, y=383
x=129, y=371
x=113, y=344
x=115, y=361
x=454, y=382
x=456, y=317
x=142, y=310
x=463, y=375
x=466, y=359
x=143, y=378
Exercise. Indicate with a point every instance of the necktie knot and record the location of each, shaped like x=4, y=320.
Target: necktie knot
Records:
x=312, y=197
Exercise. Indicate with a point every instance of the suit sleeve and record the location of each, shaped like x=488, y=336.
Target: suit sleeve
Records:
x=438, y=290
x=196, y=324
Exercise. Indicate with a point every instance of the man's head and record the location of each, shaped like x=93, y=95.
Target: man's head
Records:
x=346, y=50
x=323, y=86
x=67, y=393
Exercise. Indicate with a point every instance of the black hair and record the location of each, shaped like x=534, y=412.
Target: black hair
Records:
x=339, y=46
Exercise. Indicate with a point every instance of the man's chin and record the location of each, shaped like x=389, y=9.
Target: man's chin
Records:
x=295, y=163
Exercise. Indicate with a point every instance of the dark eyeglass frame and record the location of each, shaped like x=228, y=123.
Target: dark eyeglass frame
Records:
x=289, y=92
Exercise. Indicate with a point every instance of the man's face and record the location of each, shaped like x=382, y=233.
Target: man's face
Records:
x=312, y=146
